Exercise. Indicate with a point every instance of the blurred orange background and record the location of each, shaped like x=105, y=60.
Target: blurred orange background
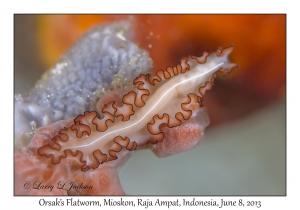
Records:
x=260, y=50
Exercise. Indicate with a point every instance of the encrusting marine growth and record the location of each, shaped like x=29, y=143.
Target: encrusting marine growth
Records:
x=102, y=60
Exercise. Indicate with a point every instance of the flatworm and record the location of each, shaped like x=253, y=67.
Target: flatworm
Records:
x=169, y=97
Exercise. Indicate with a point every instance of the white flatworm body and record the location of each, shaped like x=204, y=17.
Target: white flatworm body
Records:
x=169, y=97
